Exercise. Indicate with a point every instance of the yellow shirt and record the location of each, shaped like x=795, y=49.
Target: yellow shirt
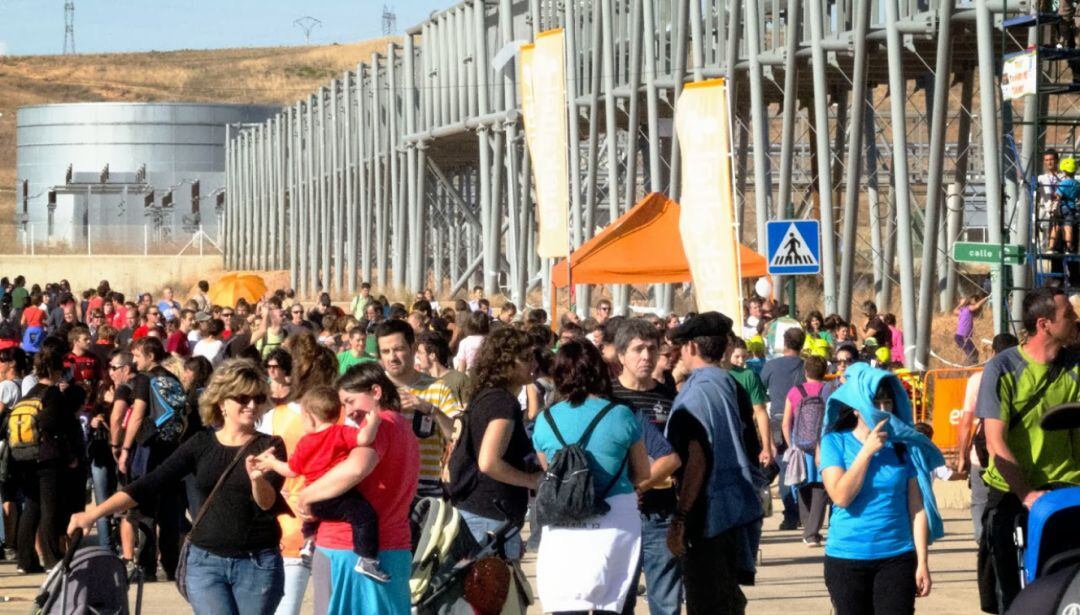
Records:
x=439, y=395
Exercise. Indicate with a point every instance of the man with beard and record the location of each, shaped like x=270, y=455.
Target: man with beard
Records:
x=1019, y=385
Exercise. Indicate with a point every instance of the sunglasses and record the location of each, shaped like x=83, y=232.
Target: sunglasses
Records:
x=226, y=314
x=297, y=312
x=844, y=361
x=273, y=366
x=112, y=367
x=244, y=400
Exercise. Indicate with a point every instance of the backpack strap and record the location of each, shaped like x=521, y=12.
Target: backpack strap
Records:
x=802, y=391
x=584, y=439
x=554, y=427
x=615, y=477
x=221, y=481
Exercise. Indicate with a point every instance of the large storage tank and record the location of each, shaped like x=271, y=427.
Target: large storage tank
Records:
x=117, y=173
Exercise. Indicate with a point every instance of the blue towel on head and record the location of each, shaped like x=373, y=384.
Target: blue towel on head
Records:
x=861, y=382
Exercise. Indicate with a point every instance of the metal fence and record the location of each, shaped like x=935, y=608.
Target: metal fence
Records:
x=102, y=240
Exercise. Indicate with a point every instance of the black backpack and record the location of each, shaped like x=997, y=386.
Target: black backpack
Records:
x=567, y=494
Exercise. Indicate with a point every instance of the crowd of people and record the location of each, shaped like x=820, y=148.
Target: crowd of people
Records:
x=256, y=448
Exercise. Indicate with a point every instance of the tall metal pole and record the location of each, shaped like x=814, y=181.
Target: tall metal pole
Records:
x=577, y=222
x=416, y=232
x=897, y=103
x=991, y=160
x=932, y=219
x=956, y=192
x=1030, y=136
x=759, y=124
x=336, y=202
x=854, y=157
x=790, y=105
x=312, y=199
x=351, y=171
x=396, y=223
x=824, y=156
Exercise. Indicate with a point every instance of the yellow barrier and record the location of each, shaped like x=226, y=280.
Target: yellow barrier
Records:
x=943, y=402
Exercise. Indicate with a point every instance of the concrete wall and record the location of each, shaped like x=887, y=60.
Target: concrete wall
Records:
x=128, y=274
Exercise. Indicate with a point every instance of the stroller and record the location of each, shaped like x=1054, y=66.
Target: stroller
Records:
x=453, y=575
x=89, y=581
x=1048, y=543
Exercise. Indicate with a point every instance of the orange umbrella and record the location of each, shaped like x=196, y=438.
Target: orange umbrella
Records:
x=234, y=286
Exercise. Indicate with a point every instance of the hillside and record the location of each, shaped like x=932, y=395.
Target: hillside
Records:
x=276, y=75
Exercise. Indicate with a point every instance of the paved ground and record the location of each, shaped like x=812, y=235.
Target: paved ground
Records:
x=789, y=579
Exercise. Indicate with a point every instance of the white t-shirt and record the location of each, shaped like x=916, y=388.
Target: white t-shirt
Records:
x=29, y=382
x=971, y=394
x=10, y=393
x=468, y=348
x=212, y=349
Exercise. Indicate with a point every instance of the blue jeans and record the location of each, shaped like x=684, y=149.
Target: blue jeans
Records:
x=250, y=585
x=297, y=574
x=480, y=526
x=663, y=579
x=104, y=481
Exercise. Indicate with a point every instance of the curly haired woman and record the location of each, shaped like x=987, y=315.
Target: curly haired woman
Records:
x=492, y=475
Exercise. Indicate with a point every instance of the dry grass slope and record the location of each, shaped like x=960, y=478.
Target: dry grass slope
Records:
x=275, y=75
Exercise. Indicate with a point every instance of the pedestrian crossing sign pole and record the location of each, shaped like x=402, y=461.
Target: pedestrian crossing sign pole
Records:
x=793, y=247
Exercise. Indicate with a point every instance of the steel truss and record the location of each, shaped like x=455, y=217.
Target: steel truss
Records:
x=411, y=171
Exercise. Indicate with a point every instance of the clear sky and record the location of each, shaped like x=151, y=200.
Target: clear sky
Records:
x=33, y=27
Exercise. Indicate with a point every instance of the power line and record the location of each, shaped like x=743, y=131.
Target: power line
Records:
x=307, y=24
x=69, y=27
x=389, y=20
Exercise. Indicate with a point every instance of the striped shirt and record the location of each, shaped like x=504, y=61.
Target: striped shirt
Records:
x=439, y=395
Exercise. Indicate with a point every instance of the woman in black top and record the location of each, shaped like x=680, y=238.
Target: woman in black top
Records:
x=234, y=562
x=492, y=473
x=49, y=483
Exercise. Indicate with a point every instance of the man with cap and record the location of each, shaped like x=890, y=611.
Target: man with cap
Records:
x=717, y=523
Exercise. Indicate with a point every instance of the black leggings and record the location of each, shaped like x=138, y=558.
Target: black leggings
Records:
x=47, y=489
x=357, y=511
x=872, y=587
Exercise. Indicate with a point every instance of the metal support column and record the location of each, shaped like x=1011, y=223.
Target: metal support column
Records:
x=934, y=193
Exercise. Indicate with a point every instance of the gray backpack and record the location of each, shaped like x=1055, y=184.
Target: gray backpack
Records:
x=567, y=494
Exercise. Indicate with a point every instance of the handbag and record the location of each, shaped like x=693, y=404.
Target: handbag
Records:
x=181, y=565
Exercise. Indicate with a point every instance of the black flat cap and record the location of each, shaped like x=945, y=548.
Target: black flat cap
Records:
x=709, y=324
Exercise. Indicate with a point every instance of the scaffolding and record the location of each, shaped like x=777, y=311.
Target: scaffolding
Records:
x=410, y=171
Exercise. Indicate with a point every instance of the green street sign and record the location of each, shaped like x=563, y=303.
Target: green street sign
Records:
x=989, y=253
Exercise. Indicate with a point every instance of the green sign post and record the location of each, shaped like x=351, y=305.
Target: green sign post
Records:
x=988, y=253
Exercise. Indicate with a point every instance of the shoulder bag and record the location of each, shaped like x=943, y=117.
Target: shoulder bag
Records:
x=181, y=565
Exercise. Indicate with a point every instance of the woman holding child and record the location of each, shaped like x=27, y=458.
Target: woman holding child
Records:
x=386, y=474
x=234, y=561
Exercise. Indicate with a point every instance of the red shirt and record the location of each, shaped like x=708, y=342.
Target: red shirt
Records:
x=94, y=303
x=32, y=316
x=140, y=333
x=319, y=451
x=178, y=343
x=391, y=488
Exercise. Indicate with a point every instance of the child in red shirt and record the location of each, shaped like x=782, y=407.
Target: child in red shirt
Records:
x=326, y=444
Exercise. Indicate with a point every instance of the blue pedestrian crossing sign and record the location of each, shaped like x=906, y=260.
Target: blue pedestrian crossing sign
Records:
x=794, y=247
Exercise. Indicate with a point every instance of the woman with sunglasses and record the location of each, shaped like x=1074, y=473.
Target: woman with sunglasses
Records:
x=278, y=366
x=234, y=561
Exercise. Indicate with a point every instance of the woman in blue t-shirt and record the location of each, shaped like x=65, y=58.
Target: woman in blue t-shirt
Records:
x=876, y=551
x=590, y=566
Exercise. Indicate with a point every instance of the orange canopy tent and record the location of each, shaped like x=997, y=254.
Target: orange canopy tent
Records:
x=643, y=246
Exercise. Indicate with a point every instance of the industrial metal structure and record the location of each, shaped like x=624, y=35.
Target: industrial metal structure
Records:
x=411, y=170
x=107, y=172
